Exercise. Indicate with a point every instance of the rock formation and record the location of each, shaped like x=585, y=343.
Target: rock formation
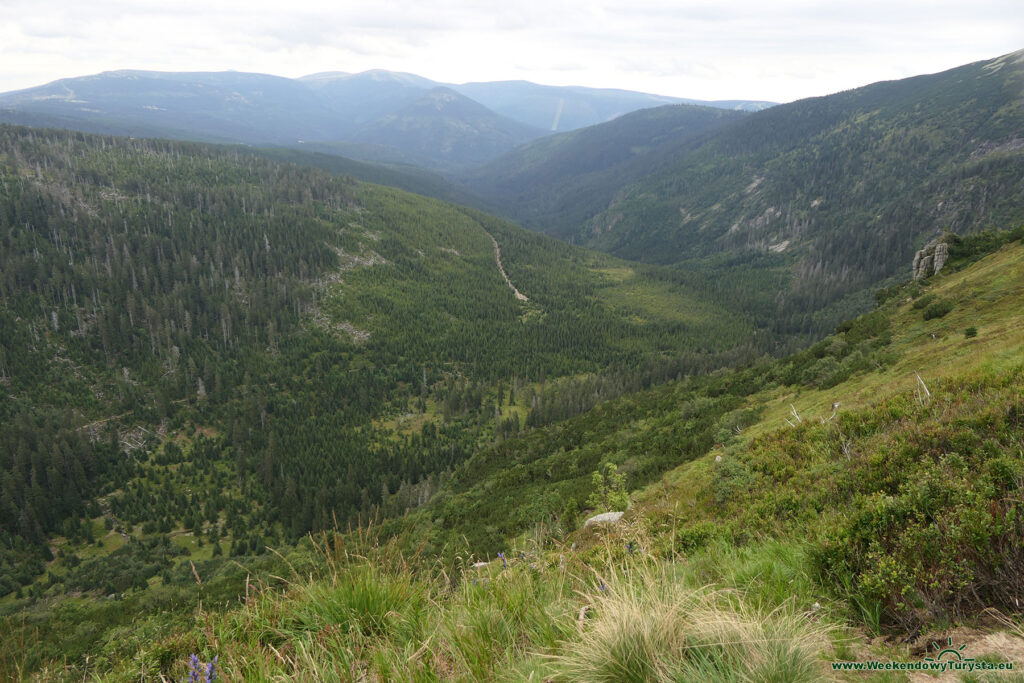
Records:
x=930, y=259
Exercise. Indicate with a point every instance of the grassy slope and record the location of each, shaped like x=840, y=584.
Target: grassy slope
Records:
x=968, y=377
x=987, y=297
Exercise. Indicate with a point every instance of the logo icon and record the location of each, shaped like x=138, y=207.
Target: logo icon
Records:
x=948, y=653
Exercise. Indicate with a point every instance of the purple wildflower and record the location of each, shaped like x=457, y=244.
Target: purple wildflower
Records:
x=193, y=668
x=504, y=564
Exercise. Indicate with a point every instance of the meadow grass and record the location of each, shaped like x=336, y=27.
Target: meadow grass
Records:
x=376, y=614
x=649, y=625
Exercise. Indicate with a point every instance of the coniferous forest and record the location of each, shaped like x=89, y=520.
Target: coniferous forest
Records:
x=201, y=342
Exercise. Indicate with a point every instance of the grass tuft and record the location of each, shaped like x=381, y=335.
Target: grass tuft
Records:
x=648, y=628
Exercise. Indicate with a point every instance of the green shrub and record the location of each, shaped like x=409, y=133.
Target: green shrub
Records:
x=942, y=542
x=938, y=309
x=731, y=477
x=609, y=489
x=697, y=536
x=923, y=301
x=971, y=332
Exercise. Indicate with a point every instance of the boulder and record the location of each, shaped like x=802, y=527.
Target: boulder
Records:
x=604, y=518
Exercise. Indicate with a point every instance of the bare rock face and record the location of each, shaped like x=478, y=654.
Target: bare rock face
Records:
x=930, y=259
x=603, y=518
x=941, y=256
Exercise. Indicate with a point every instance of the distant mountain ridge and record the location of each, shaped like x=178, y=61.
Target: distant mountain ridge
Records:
x=372, y=115
x=236, y=107
x=443, y=126
x=560, y=109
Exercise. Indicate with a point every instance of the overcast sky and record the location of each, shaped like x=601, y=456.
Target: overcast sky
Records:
x=703, y=49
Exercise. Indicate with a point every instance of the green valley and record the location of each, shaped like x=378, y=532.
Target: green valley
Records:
x=782, y=518
x=206, y=353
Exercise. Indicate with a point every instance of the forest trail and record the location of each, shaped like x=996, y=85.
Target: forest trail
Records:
x=497, y=257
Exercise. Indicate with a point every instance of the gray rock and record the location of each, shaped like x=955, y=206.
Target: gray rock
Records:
x=941, y=256
x=930, y=259
x=604, y=518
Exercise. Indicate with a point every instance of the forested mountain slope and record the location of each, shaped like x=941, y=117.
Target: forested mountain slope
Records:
x=138, y=275
x=205, y=352
x=402, y=176
x=834, y=193
x=557, y=183
x=227, y=106
x=857, y=501
x=258, y=109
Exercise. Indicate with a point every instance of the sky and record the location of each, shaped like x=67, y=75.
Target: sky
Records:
x=700, y=49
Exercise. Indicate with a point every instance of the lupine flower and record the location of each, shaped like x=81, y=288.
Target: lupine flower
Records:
x=629, y=548
x=504, y=564
x=195, y=669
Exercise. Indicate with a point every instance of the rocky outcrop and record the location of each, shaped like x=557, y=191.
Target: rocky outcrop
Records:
x=931, y=259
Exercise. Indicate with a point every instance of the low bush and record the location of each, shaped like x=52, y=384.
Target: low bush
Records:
x=938, y=309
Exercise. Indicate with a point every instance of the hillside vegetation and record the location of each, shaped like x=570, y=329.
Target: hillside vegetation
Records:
x=204, y=352
x=883, y=505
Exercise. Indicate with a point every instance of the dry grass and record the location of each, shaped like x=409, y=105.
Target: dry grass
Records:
x=647, y=627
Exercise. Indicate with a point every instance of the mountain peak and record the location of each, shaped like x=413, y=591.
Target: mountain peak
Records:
x=325, y=76
x=372, y=75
